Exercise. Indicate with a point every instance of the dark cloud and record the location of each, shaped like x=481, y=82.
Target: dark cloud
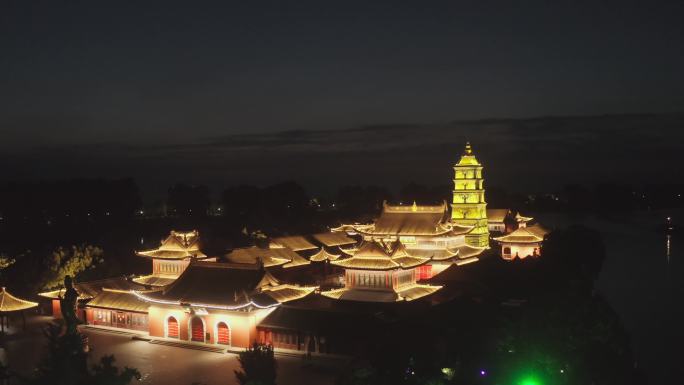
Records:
x=523, y=154
x=151, y=73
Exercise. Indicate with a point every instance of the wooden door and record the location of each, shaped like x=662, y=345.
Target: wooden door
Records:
x=197, y=330
x=172, y=327
x=223, y=334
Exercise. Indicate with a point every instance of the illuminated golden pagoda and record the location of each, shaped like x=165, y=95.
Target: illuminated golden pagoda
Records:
x=469, y=207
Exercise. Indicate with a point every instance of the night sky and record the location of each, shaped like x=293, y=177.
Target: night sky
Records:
x=332, y=94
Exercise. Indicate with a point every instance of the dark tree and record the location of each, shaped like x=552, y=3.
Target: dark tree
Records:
x=65, y=363
x=576, y=253
x=361, y=201
x=258, y=366
x=72, y=200
x=188, y=200
x=286, y=200
x=243, y=202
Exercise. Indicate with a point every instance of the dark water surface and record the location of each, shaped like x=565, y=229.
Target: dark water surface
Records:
x=643, y=279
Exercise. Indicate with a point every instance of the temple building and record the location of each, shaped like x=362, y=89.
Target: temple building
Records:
x=503, y=221
x=87, y=291
x=117, y=308
x=431, y=231
x=499, y=220
x=331, y=246
x=424, y=231
x=217, y=303
x=266, y=292
x=381, y=272
x=524, y=242
x=468, y=207
x=171, y=258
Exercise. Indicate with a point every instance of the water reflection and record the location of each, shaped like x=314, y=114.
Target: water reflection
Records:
x=647, y=294
x=668, y=239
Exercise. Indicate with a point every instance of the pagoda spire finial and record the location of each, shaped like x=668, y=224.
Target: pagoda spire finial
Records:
x=414, y=208
x=468, y=149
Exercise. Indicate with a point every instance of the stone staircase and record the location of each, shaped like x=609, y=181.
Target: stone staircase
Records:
x=205, y=348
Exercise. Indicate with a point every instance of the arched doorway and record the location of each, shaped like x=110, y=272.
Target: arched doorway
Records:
x=197, y=329
x=171, y=327
x=222, y=333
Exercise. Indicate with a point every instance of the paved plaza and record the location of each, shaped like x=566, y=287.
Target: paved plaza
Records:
x=159, y=364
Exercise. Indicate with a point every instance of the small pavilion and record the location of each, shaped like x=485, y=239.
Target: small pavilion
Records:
x=522, y=243
x=10, y=304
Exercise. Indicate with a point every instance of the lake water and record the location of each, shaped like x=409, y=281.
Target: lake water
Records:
x=643, y=279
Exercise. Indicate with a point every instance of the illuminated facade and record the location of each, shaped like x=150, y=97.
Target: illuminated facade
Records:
x=524, y=242
x=425, y=231
x=216, y=303
x=468, y=207
x=193, y=298
x=381, y=272
x=171, y=258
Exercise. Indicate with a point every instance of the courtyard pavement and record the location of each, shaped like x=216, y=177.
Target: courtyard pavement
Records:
x=158, y=364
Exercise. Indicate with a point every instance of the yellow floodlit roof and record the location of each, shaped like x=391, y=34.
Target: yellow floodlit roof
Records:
x=531, y=234
x=323, y=255
x=178, y=245
x=10, y=303
x=408, y=293
x=377, y=256
x=334, y=239
x=468, y=158
x=269, y=257
x=295, y=243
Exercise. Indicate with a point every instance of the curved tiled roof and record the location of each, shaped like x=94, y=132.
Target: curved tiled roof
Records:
x=124, y=300
x=408, y=293
x=153, y=280
x=178, y=245
x=411, y=220
x=323, y=255
x=90, y=289
x=530, y=234
x=226, y=285
x=378, y=256
x=294, y=243
x=10, y=303
x=270, y=257
x=334, y=239
x=497, y=215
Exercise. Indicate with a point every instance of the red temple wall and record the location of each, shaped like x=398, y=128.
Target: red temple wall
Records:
x=242, y=326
